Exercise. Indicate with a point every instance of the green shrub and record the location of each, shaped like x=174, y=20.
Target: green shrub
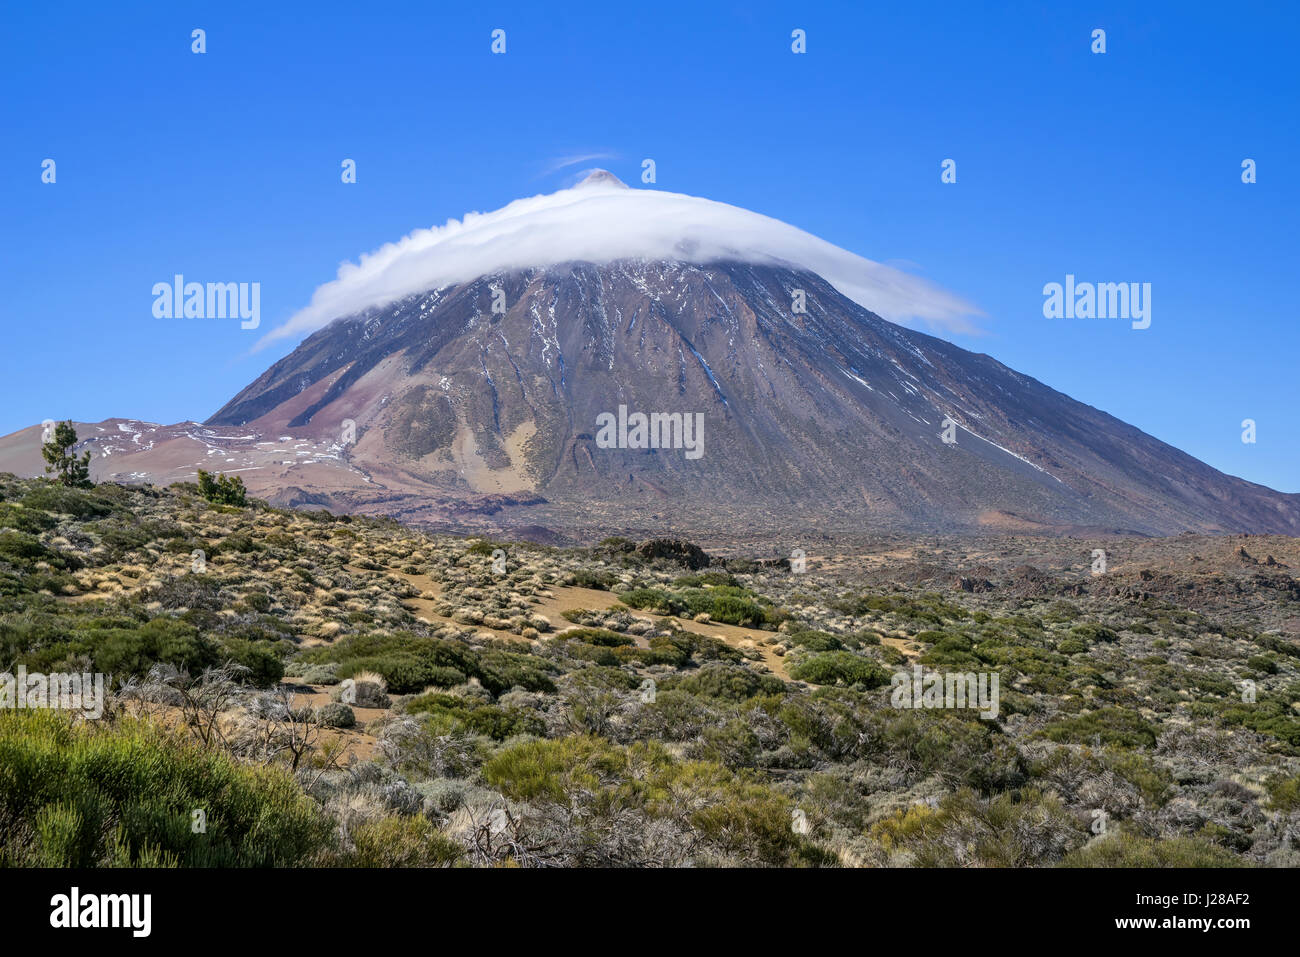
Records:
x=729, y=682
x=1092, y=633
x=448, y=713
x=1120, y=849
x=222, y=489
x=597, y=636
x=400, y=842
x=840, y=668
x=654, y=599
x=135, y=649
x=336, y=715
x=258, y=601
x=1109, y=726
x=1284, y=793
x=1262, y=664
x=264, y=664
x=1015, y=829
x=22, y=519
x=79, y=503
x=733, y=814
x=98, y=794
x=597, y=580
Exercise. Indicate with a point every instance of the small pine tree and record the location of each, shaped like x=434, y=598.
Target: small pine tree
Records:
x=61, y=463
x=222, y=489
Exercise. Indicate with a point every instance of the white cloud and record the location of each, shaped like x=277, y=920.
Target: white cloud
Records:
x=602, y=221
x=564, y=162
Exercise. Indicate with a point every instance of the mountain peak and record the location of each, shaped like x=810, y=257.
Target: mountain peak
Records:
x=601, y=177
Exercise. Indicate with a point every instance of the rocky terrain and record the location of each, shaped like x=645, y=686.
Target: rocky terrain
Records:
x=406, y=698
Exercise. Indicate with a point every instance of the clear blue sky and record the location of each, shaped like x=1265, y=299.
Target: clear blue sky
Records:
x=225, y=166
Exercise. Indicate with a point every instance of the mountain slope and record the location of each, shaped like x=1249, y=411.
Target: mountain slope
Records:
x=468, y=375
x=830, y=418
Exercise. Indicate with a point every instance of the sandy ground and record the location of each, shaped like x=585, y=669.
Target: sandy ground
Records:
x=568, y=598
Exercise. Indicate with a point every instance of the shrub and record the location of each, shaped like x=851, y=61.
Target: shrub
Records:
x=258, y=601
x=1015, y=829
x=404, y=674
x=654, y=599
x=598, y=580
x=1284, y=793
x=1091, y=633
x=1110, y=726
x=265, y=666
x=597, y=636
x=447, y=713
x=223, y=489
x=24, y=551
x=729, y=682
x=336, y=715
x=400, y=842
x=1262, y=664
x=24, y=519
x=1120, y=849
x=134, y=650
x=840, y=668
x=78, y=503
x=122, y=794
x=815, y=640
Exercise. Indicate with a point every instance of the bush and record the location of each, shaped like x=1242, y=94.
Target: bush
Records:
x=597, y=580
x=410, y=663
x=79, y=503
x=24, y=551
x=400, y=842
x=223, y=489
x=815, y=640
x=404, y=674
x=1120, y=849
x=134, y=650
x=654, y=599
x=1109, y=726
x=96, y=794
x=1015, y=829
x=265, y=666
x=597, y=636
x=1092, y=634
x=729, y=682
x=1262, y=664
x=24, y=519
x=840, y=668
x=736, y=818
x=336, y=715
x=1284, y=794
x=447, y=713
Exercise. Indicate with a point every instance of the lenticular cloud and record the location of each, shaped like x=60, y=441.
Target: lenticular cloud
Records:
x=601, y=220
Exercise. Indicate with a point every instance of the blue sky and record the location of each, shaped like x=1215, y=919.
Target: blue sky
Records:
x=225, y=166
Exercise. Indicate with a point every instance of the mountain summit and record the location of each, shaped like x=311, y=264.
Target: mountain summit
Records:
x=601, y=177
x=601, y=221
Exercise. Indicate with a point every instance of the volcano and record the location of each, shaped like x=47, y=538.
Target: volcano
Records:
x=454, y=394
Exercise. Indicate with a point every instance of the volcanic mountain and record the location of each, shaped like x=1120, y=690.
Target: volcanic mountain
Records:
x=481, y=400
